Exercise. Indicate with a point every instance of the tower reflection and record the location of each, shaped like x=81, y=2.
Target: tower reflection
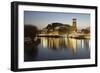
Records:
x=64, y=43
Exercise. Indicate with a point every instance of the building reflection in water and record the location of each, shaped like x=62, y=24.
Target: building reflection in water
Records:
x=65, y=43
x=49, y=48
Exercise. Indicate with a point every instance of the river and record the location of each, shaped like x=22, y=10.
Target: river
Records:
x=50, y=48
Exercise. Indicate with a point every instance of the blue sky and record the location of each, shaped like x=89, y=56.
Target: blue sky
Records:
x=42, y=19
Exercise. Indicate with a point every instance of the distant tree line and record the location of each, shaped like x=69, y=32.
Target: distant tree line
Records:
x=30, y=31
x=86, y=31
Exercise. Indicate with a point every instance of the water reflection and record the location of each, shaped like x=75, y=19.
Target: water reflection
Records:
x=31, y=50
x=64, y=43
x=50, y=48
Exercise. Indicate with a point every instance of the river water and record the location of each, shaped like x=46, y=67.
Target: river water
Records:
x=50, y=48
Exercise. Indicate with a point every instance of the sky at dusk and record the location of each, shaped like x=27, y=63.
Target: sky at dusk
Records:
x=42, y=19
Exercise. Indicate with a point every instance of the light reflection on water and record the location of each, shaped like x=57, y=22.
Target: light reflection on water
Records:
x=64, y=43
x=60, y=49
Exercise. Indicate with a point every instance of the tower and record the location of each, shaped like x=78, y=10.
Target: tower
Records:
x=74, y=24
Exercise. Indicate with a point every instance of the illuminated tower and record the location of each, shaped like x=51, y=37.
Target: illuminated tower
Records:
x=74, y=26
